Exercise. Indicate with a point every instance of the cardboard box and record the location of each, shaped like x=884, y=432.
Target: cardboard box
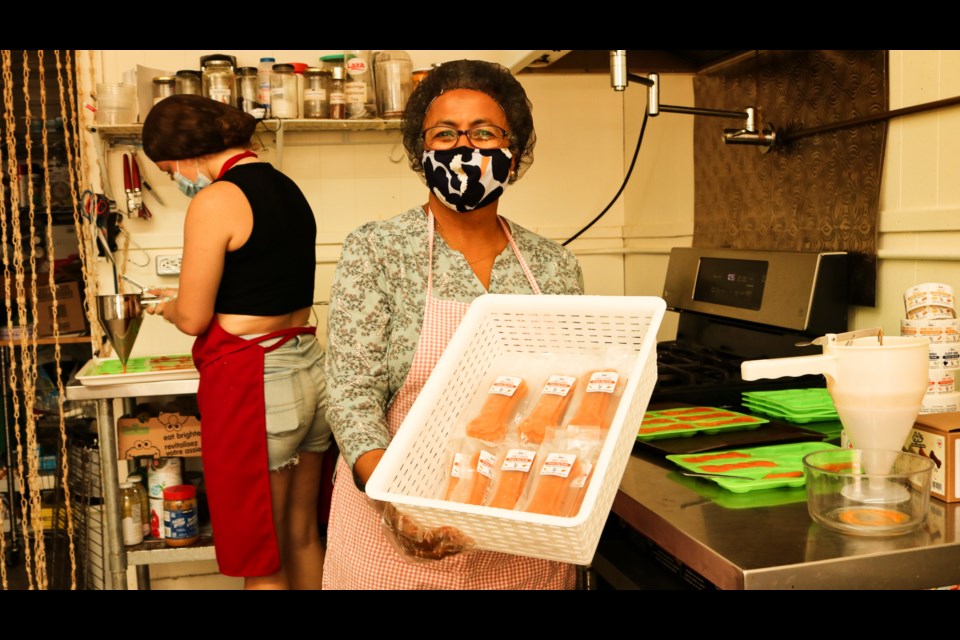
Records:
x=167, y=435
x=937, y=436
x=70, y=315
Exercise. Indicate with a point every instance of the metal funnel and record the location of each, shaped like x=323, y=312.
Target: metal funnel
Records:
x=120, y=317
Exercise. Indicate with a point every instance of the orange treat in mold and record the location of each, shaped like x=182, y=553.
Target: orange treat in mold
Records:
x=501, y=403
x=720, y=468
x=550, y=408
x=717, y=456
x=599, y=387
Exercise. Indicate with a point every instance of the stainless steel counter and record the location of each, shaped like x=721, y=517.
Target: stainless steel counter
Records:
x=766, y=539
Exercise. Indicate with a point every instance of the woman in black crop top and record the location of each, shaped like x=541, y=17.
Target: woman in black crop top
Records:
x=246, y=292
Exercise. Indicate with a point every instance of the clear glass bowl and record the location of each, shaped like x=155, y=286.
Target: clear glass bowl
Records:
x=869, y=492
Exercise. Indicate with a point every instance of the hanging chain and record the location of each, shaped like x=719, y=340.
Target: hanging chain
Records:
x=6, y=287
x=29, y=348
x=51, y=260
x=11, y=140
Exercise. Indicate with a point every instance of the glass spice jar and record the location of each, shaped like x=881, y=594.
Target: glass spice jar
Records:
x=163, y=86
x=219, y=81
x=338, y=98
x=181, y=524
x=188, y=81
x=316, y=101
x=283, y=91
x=248, y=92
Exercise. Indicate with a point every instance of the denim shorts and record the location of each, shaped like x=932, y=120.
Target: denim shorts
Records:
x=295, y=395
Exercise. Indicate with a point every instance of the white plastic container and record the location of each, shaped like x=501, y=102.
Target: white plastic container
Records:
x=495, y=327
x=116, y=104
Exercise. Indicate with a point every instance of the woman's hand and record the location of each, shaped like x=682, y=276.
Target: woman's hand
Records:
x=420, y=543
x=165, y=303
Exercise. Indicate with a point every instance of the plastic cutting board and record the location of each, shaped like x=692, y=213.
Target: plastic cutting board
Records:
x=779, y=465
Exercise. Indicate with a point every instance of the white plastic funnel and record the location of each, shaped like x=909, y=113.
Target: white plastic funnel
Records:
x=876, y=388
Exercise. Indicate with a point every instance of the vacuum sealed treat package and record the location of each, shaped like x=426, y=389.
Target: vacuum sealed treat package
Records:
x=471, y=464
x=512, y=472
x=497, y=448
x=499, y=407
x=567, y=460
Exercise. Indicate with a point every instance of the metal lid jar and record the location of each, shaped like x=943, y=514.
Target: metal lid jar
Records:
x=163, y=86
x=316, y=99
x=283, y=91
x=188, y=81
x=248, y=91
x=219, y=81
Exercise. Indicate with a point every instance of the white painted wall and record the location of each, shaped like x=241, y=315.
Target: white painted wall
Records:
x=356, y=177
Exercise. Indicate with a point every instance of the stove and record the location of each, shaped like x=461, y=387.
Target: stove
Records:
x=737, y=305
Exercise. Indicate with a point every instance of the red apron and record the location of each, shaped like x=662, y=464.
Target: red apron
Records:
x=359, y=555
x=233, y=434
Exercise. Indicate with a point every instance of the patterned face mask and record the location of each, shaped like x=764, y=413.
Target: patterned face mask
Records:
x=465, y=179
x=188, y=187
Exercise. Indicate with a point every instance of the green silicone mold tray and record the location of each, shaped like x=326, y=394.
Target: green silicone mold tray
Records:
x=779, y=465
x=687, y=421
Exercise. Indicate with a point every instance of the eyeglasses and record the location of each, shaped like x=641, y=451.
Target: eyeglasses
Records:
x=484, y=136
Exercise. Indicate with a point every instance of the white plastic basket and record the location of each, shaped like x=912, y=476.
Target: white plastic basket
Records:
x=495, y=326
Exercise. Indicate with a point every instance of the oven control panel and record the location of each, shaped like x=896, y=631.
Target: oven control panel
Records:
x=797, y=291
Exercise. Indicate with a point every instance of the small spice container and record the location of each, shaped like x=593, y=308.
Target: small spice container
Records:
x=219, y=81
x=181, y=526
x=316, y=100
x=188, y=81
x=248, y=89
x=338, y=98
x=283, y=91
x=163, y=86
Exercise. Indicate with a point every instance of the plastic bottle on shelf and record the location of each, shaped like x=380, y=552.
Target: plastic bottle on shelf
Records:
x=131, y=514
x=181, y=526
x=264, y=73
x=137, y=481
x=359, y=84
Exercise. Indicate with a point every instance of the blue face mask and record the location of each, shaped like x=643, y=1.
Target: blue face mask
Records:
x=188, y=187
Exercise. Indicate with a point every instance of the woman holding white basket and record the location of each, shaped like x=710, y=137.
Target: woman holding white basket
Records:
x=401, y=288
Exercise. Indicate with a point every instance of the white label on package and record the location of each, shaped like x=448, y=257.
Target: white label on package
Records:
x=603, y=382
x=518, y=460
x=559, y=385
x=486, y=463
x=558, y=464
x=505, y=385
x=578, y=483
x=459, y=462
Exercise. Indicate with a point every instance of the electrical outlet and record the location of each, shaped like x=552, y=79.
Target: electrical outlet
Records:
x=168, y=265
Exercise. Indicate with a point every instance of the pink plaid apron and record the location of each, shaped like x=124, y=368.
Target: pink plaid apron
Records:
x=360, y=557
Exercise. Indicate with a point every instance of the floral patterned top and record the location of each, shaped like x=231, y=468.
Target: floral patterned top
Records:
x=376, y=312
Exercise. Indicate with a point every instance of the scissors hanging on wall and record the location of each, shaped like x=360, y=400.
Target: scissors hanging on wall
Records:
x=132, y=186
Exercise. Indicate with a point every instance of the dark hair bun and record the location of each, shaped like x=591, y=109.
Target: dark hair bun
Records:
x=189, y=126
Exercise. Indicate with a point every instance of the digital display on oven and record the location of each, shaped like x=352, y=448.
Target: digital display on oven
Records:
x=730, y=282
